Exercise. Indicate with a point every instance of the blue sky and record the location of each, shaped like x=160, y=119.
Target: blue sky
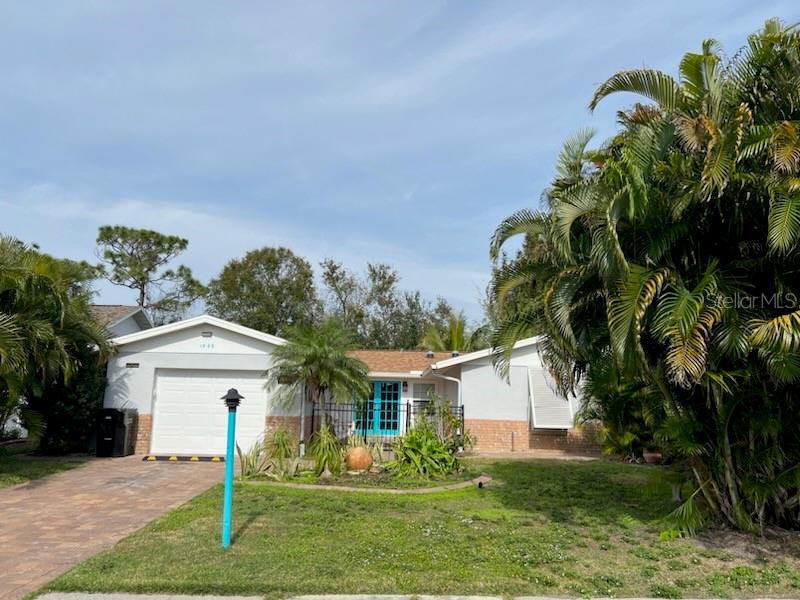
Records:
x=400, y=132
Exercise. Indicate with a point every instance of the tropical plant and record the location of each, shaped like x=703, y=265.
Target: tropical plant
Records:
x=47, y=334
x=281, y=443
x=421, y=452
x=439, y=414
x=454, y=337
x=315, y=363
x=275, y=456
x=667, y=259
x=254, y=462
x=326, y=451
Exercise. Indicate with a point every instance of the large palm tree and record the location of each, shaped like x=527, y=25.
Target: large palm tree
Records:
x=666, y=261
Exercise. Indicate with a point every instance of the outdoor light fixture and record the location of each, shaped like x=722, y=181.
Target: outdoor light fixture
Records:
x=232, y=400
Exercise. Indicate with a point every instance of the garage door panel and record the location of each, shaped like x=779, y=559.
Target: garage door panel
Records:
x=190, y=418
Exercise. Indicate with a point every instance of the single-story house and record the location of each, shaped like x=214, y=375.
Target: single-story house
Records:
x=174, y=376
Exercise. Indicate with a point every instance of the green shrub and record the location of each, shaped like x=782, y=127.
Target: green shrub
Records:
x=326, y=451
x=253, y=462
x=274, y=457
x=281, y=444
x=421, y=452
x=447, y=425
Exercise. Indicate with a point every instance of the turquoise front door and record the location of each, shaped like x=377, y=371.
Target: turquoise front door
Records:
x=380, y=415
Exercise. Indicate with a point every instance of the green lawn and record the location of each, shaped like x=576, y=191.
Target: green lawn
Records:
x=550, y=527
x=19, y=467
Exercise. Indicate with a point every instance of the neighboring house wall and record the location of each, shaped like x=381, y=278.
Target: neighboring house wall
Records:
x=124, y=327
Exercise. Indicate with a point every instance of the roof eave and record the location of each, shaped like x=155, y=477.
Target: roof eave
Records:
x=396, y=374
x=469, y=357
x=194, y=321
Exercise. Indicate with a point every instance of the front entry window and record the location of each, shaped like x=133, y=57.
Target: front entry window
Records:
x=380, y=415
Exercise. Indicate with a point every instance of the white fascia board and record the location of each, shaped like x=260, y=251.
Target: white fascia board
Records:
x=391, y=375
x=193, y=322
x=464, y=358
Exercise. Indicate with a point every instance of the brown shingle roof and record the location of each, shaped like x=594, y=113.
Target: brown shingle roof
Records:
x=397, y=361
x=107, y=314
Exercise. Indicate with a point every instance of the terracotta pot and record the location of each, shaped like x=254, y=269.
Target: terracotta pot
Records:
x=358, y=459
x=651, y=458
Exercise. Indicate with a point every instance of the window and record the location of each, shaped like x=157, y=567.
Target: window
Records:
x=424, y=391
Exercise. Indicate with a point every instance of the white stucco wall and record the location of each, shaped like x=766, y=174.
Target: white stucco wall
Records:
x=487, y=396
x=130, y=387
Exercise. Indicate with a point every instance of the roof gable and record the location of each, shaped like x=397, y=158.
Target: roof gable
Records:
x=194, y=322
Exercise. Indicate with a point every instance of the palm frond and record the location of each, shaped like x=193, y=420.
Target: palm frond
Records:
x=572, y=158
x=627, y=308
x=523, y=222
x=780, y=334
x=655, y=85
x=783, y=232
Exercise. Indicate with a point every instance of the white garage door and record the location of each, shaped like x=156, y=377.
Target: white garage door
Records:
x=190, y=418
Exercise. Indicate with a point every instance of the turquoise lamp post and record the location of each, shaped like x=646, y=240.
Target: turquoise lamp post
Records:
x=232, y=400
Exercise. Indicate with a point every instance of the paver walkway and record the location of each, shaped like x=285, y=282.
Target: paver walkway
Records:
x=52, y=524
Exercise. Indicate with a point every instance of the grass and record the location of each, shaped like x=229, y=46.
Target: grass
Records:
x=17, y=466
x=543, y=527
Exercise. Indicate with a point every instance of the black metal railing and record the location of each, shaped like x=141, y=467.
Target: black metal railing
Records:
x=381, y=424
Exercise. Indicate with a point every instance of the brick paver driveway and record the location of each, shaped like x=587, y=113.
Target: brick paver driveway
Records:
x=51, y=524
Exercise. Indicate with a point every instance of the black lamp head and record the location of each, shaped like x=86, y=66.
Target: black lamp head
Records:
x=233, y=398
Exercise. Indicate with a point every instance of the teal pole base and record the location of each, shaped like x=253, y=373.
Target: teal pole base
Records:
x=227, y=503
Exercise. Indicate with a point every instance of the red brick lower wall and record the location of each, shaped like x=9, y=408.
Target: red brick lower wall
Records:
x=496, y=435
x=144, y=428
x=291, y=423
x=578, y=440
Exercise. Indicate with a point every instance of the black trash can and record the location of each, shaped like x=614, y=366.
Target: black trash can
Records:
x=116, y=431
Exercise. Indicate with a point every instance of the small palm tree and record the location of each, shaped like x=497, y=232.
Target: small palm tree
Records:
x=455, y=338
x=314, y=363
